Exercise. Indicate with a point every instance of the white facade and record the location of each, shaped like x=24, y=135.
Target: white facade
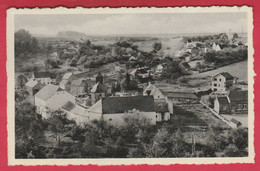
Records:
x=55, y=102
x=220, y=84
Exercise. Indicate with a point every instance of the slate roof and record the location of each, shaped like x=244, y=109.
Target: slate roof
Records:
x=112, y=105
x=238, y=95
x=31, y=83
x=223, y=100
x=47, y=91
x=185, y=65
x=44, y=75
x=226, y=75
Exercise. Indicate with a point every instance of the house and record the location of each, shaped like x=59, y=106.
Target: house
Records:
x=75, y=112
x=162, y=110
x=151, y=90
x=235, y=123
x=20, y=81
x=216, y=47
x=222, y=82
x=222, y=105
x=44, y=77
x=79, y=88
x=51, y=98
x=159, y=68
x=116, y=109
x=235, y=103
x=32, y=87
x=185, y=67
x=238, y=101
x=68, y=76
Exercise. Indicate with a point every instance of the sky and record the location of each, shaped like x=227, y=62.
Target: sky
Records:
x=105, y=24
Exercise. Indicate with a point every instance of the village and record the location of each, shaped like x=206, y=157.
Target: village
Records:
x=155, y=85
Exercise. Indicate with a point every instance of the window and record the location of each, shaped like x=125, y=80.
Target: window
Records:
x=239, y=106
x=156, y=116
x=215, y=85
x=224, y=107
x=215, y=79
x=110, y=119
x=244, y=106
x=220, y=79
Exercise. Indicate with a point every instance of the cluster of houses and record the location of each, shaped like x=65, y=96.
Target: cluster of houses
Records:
x=48, y=95
x=229, y=100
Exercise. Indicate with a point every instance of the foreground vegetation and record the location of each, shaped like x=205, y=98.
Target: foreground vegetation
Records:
x=136, y=138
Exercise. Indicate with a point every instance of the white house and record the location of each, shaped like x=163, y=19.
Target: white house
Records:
x=44, y=77
x=216, y=47
x=51, y=98
x=115, y=109
x=153, y=91
x=159, y=68
x=222, y=82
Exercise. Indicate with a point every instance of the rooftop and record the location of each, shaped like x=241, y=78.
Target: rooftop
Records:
x=47, y=91
x=238, y=95
x=111, y=105
x=223, y=100
x=31, y=83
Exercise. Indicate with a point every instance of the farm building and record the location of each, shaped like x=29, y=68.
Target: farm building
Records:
x=51, y=98
x=116, y=109
x=44, y=77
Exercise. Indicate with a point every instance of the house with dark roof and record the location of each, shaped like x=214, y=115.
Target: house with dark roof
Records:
x=44, y=77
x=51, y=98
x=32, y=87
x=116, y=109
x=238, y=101
x=222, y=105
x=185, y=67
x=222, y=82
x=98, y=91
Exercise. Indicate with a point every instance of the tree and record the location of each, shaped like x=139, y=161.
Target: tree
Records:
x=60, y=125
x=157, y=46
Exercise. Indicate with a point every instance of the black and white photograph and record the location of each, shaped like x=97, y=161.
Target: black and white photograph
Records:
x=160, y=85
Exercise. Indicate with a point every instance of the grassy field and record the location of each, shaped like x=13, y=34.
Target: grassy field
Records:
x=238, y=70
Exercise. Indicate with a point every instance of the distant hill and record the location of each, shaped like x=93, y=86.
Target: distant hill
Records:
x=71, y=34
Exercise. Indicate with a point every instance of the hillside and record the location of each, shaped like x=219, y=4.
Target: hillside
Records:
x=70, y=34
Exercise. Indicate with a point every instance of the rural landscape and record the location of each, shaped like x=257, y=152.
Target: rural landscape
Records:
x=131, y=95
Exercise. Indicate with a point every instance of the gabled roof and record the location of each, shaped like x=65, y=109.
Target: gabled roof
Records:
x=235, y=121
x=226, y=75
x=47, y=91
x=31, y=83
x=185, y=65
x=77, y=83
x=238, y=95
x=44, y=75
x=98, y=88
x=112, y=105
x=67, y=75
x=223, y=100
